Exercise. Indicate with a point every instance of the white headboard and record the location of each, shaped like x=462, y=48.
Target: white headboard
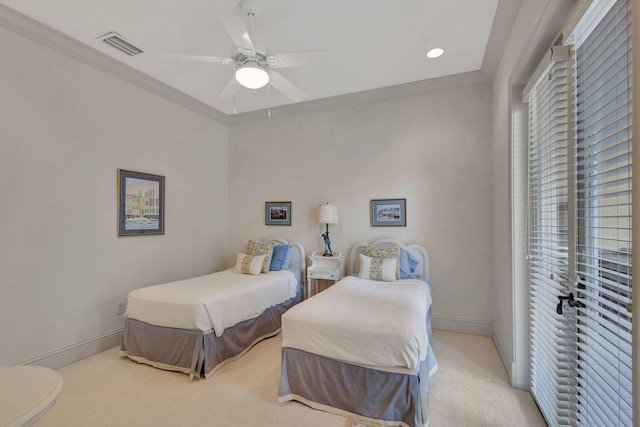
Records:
x=298, y=257
x=417, y=251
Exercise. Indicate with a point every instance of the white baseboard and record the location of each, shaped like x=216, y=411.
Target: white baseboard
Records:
x=64, y=356
x=520, y=376
x=463, y=326
x=507, y=361
x=517, y=368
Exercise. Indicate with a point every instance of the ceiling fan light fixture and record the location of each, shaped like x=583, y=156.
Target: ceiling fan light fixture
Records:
x=252, y=76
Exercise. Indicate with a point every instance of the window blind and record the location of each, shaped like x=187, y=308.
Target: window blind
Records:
x=580, y=224
x=552, y=338
x=603, y=128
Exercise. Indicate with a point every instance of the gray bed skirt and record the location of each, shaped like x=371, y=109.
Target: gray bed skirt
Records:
x=194, y=352
x=383, y=397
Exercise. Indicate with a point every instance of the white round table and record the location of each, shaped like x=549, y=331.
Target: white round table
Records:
x=26, y=393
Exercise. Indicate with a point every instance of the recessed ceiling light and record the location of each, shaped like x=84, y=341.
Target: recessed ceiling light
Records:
x=434, y=53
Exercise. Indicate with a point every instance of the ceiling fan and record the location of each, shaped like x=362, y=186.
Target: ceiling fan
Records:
x=254, y=68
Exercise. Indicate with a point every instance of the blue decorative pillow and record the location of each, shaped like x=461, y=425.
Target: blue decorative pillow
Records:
x=408, y=265
x=281, y=258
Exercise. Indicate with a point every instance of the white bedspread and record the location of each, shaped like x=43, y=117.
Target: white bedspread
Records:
x=215, y=301
x=364, y=322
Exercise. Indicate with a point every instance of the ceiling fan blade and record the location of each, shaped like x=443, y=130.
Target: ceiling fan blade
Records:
x=237, y=31
x=230, y=89
x=201, y=58
x=286, y=87
x=295, y=59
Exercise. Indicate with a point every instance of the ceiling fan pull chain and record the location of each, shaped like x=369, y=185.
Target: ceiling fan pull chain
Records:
x=234, y=104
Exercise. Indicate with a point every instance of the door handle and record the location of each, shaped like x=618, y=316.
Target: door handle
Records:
x=570, y=300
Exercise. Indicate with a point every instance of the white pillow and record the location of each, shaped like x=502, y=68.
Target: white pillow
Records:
x=248, y=264
x=238, y=267
x=383, y=268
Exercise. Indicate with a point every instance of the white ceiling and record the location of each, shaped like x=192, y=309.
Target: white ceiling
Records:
x=370, y=44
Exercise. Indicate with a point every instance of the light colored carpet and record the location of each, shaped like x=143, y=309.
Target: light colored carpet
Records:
x=357, y=422
x=470, y=389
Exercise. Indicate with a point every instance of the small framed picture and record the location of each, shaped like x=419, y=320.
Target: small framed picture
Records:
x=277, y=213
x=389, y=212
x=140, y=203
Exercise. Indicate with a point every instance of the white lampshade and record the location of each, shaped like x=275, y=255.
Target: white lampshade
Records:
x=252, y=76
x=328, y=214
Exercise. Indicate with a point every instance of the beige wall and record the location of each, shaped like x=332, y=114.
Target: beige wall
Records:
x=432, y=149
x=65, y=128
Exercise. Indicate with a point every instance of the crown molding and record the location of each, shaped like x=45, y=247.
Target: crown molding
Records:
x=407, y=90
x=56, y=40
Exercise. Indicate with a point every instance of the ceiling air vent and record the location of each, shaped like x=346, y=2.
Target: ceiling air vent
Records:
x=117, y=41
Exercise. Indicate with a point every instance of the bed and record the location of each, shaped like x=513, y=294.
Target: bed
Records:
x=198, y=325
x=362, y=347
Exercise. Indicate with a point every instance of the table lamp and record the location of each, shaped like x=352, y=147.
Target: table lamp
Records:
x=328, y=215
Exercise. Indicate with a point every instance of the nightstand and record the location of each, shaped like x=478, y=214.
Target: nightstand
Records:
x=324, y=268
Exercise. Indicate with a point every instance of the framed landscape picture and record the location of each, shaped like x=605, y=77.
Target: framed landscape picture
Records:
x=277, y=213
x=389, y=212
x=140, y=203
